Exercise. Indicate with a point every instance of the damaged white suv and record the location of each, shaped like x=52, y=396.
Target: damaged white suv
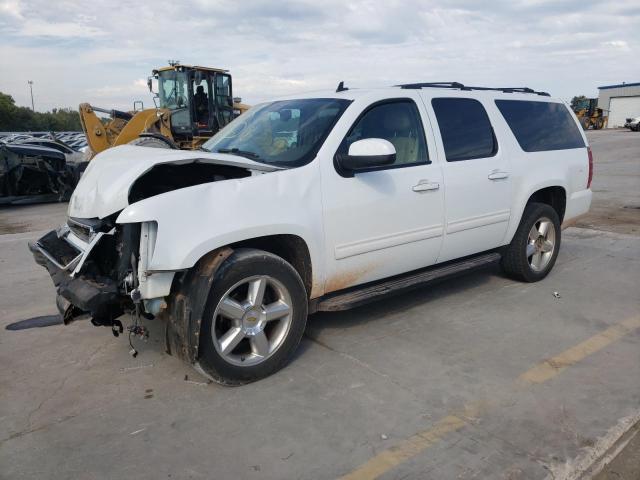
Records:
x=316, y=202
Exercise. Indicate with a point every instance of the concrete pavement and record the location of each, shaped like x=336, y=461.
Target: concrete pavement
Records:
x=477, y=377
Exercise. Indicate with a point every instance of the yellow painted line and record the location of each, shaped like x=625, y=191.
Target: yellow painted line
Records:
x=553, y=366
x=413, y=445
x=421, y=441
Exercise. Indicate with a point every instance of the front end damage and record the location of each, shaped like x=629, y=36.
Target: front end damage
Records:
x=93, y=266
x=100, y=272
x=103, y=268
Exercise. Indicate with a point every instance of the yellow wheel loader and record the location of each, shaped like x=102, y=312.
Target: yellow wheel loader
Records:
x=192, y=104
x=590, y=115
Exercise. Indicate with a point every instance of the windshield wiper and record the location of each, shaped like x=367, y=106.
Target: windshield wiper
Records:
x=237, y=151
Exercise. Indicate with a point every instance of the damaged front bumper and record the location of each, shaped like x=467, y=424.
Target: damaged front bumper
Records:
x=64, y=254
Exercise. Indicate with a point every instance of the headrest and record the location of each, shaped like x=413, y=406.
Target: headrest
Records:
x=397, y=120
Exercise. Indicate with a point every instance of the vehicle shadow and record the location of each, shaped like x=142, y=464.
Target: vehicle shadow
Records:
x=390, y=305
x=371, y=313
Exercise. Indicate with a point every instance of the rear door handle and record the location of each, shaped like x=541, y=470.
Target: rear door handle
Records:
x=425, y=186
x=498, y=175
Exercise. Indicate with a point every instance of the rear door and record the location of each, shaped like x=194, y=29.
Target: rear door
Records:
x=476, y=176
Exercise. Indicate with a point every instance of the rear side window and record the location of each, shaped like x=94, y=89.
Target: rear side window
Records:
x=465, y=129
x=541, y=126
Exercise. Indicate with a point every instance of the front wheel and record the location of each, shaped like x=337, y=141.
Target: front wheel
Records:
x=533, y=251
x=254, y=319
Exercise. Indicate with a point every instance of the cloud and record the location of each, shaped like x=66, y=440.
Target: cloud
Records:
x=40, y=28
x=278, y=48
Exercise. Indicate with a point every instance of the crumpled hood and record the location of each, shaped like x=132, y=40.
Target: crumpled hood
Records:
x=104, y=187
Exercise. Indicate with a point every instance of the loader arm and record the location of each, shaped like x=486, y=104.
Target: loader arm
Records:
x=145, y=121
x=122, y=127
x=100, y=136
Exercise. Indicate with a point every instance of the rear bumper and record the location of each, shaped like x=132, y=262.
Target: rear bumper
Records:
x=78, y=295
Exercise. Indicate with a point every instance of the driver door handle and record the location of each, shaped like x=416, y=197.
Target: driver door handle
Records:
x=498, y=175
x=425, y=186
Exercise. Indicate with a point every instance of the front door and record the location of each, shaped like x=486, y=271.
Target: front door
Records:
x=388, y=220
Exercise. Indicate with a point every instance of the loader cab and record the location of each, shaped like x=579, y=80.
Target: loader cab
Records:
x=200, y=100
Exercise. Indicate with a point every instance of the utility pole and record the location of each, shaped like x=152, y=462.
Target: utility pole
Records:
x=30, y=82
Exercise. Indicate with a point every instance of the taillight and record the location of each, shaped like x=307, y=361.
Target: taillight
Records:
x=590, y=167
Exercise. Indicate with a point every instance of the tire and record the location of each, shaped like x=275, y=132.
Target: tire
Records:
x=149, y=142
x=225, y=356
x=585, y=122
x=531, y=261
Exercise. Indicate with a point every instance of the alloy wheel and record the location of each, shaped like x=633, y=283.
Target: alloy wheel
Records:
x=541, y=244
x=251, y=320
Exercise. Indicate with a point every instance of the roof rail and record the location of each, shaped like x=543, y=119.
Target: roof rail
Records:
x=460, y=86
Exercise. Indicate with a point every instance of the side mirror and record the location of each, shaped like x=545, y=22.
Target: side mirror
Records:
x=152, y=83
x=367, y=153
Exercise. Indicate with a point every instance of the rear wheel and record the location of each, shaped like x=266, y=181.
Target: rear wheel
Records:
x=533, y=251
x=149, y=142
x=255, y=317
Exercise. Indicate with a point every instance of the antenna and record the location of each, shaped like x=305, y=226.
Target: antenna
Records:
x=341, y=87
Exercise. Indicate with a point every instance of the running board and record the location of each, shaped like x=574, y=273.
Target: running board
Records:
x=361, y=295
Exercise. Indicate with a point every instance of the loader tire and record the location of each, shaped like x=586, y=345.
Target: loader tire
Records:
x=149, y=142
x=585, y=122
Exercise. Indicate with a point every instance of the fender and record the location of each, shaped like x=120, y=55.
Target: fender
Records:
x=196, y=220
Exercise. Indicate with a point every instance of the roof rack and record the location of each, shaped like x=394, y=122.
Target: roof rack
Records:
x=460, y=86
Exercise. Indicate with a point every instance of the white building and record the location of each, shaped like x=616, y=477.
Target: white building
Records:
x=619, y=102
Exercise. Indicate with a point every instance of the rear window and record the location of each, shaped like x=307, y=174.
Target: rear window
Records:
x=541, y=126
x=465, y=129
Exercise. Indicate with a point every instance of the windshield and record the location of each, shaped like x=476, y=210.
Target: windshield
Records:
x=173, y=91
x=286, y=133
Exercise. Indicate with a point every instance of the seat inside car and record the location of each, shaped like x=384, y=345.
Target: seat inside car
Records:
x=400, y=131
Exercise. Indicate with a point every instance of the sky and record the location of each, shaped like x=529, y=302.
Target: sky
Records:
x=103, y=51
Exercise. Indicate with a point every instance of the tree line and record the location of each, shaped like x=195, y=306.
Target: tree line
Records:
x=23, y=119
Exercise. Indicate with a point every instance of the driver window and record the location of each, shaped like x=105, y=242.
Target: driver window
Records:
x=399, y=123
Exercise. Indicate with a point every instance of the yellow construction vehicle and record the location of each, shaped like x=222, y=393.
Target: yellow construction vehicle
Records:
x=590, y=115
x=192, y=104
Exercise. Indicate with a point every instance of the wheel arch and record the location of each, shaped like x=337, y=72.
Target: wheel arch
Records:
x=555, y=197
x=552, y=193
x=292, y=248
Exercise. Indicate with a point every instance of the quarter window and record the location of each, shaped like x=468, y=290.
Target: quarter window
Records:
x=541, y=126
x=395, y=121
x=465, y=129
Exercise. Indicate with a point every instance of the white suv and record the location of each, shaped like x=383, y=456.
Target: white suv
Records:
x=316, y=202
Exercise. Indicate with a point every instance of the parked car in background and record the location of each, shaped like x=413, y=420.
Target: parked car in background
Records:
x=633, y=124
x=70, y=154
x=40, y=166
x=316, y=202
